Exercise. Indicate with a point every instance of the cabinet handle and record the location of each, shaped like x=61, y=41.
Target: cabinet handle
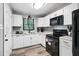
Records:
x=66, y=42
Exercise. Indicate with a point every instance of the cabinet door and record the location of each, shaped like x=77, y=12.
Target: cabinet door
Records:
x=68, y=13
x=65, y=51
x=67, y=16
x=17, y=42
x=42, y=38
x=20, y=40
x=34, y=40
x=46, y=22
x=17, y=20
x=40, y=22
x=27, y=41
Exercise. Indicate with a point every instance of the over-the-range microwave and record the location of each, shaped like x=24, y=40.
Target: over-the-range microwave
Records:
x=59, y=20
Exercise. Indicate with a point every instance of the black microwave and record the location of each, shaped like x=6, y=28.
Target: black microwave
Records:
x=59, y=20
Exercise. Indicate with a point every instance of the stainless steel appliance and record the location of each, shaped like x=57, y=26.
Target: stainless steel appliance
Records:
x=52, y=41
x=75, y=32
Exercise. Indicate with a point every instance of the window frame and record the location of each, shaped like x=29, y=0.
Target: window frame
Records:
x=29, y=29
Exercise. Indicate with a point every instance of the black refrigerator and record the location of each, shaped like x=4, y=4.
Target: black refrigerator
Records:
x=75, y=32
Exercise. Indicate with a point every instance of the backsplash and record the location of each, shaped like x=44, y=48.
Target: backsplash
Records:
x=48, y=29
x=60, y=27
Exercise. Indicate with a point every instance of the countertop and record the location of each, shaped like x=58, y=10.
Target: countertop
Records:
x=66, y=37
x=38, y=33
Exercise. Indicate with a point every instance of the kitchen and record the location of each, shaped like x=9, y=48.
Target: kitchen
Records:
x=27, y=32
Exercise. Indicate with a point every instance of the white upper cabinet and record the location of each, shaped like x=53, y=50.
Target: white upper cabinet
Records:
x=17, y=20
x=57, y=13
x=60, y=12
x=40, y=22
x=46, y=21
x=68, y=13
x=43, y=22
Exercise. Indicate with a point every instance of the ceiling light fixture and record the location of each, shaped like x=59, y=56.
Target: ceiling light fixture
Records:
x=37, y=5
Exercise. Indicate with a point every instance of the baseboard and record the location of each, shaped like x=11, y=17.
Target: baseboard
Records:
x=26, y=47
x=42, y=46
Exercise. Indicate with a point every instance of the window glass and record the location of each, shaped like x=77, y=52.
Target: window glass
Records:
x=28, y=24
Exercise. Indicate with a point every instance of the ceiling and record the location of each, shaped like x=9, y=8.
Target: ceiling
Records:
x=27, y=8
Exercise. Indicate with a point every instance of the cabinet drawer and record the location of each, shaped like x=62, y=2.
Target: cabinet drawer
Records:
x=66, y=43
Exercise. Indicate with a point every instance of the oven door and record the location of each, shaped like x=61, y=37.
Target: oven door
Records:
x=52, y=46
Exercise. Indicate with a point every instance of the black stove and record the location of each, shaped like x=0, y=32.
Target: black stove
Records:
x=52, y=41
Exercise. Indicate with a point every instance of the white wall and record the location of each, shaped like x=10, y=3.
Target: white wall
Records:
x=1, y=29
x=7, y=29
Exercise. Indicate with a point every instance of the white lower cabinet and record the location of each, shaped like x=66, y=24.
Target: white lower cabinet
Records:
x=17, y=42
x=30, y=40
x=14, y=42
x=65, y=46
x=20, y=41
x=42, y=39
x=26, y=41
x=65, y=51
x=34, y=39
